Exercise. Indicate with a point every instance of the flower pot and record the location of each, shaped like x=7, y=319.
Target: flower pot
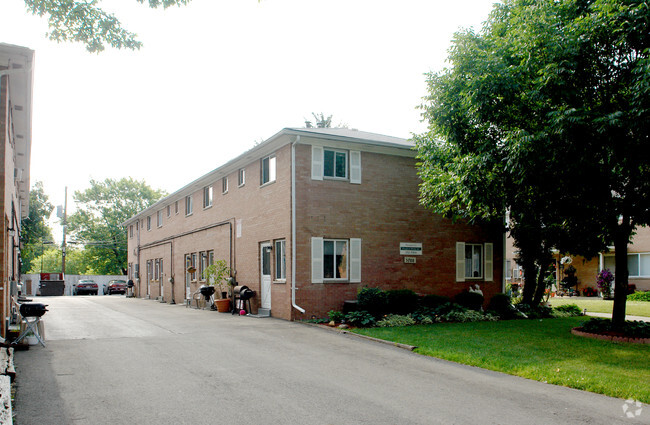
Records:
x=223, y=305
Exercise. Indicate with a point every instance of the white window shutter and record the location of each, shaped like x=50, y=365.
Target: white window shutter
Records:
x=460, y=261
x=317, y=260
x=489, y=263
x=355, y=167
x=355, y=260
x=317, y=163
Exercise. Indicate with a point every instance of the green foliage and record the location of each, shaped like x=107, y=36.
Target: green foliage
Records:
x=34, y=228
x=401, y=301
x=394, y=320
x=97, y=222
x=77, y=261
x=372, y=300
x=635, y=329
x=639, y=296
x=82, y=21
x=468, y=316
x=471, y=300
x=217, y=274
x=568, y=310
x=433, y=300
x=501, y=305
x=336, y=316
x=360, y=318
x=527, y=311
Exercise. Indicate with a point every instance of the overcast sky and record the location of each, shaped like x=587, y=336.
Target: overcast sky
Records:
x=214, y=77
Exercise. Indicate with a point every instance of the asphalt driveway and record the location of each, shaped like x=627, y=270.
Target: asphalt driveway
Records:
x=113, y=360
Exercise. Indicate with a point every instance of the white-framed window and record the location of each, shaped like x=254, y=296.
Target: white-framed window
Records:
x=131, y=231
x=335, y=163
x=169, y=211
x=189, y=207
x=280, y=260
x=207, y=196
x=267, y=171
x=176, y=207
x=241, y=177
x=159, y=218
x=148, y=223
x=156, y=269
x=224, y=185
x=638, y=264
x=210, y=258
x=474, y=262
x=193, y=264
x=330, y=163
x=335, y=260
x=203, y=263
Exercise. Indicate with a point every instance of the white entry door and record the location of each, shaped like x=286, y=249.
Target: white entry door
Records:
x=265, y=273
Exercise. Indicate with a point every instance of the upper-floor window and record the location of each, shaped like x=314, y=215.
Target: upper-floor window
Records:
x=241, y=177
x=169, y=211
x=268, y=170
x=159, y=218
x=131, y=231
x=189, y=206
x=224, y=185
x=207, y=196
x=176, y=207
x=149, y=223
x=335, y=163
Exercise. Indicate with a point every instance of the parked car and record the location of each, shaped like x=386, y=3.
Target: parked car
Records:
x=115, y=286
x=85, y=286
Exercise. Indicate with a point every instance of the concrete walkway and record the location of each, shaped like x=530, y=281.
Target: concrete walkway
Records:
x=609, y=316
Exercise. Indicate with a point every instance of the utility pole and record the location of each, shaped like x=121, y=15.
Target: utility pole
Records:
x=65, y=224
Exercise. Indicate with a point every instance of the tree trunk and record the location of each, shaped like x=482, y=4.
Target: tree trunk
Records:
x=621, y=238
x=541, y=285
x=530, y=274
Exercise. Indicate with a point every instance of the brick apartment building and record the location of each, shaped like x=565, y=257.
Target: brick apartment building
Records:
x=16, y=76
x=305, y=219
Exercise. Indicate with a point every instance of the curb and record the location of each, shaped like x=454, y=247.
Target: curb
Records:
x=369, y=338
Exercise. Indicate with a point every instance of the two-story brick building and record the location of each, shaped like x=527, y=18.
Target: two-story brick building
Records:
x=305, y=219
x=16, y=82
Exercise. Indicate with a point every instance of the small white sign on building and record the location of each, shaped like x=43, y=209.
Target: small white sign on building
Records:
x=410, y=248
x=409, y=260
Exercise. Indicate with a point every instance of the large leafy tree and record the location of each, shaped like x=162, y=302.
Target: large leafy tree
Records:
x=85, y=22
x=545, y=113
x=97, y=223
x=34, y=227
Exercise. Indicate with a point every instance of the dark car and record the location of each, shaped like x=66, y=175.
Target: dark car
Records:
x=115, y=287
x=85, y=286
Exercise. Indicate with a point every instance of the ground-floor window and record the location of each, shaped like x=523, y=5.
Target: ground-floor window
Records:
x=474, y=261
x=280, y=260
x=336, y=260
x=638, y=264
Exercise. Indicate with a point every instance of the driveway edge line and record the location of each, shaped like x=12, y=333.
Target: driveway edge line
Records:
x=369, y=338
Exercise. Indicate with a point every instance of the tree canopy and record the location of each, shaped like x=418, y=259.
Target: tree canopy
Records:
x=34, y=227
x=545, y=113
x=97, y=222
x=85, y=22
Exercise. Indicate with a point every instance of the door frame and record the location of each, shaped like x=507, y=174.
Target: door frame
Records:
x=265, y=296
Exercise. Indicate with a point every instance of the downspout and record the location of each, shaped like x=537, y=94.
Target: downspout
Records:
x=293, y=226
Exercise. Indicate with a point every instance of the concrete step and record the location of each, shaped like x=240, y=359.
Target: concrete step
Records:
x=263, y=312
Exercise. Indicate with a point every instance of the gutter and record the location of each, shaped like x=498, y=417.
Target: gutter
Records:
x=293, y=226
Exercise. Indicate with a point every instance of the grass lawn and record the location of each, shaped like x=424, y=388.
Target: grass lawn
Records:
x=599, y=305
x=543, y=350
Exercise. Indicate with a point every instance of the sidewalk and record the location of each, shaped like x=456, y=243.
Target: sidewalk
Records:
x=609, y=316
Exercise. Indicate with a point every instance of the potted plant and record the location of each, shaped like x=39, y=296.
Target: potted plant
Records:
x=604, y=282
x=218, y=275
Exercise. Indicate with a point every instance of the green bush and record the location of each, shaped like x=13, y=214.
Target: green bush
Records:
x=468, y=316
x=540, y=312
x=639, y=296
x=394, y=320
x=401, y=301
x=336, y=316
x=471, y=300
x=372, y=300
x=501, y=305
x=432, y=300
x=568, y=310
x=361, y=319
x=636, y=329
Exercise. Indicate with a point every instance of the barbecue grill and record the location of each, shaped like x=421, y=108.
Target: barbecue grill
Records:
x=241, y=296
x=32, y=313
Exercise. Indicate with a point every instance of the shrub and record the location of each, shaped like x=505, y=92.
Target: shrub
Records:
x=468, y=316
x=501, y=305
x=539, y=312
x=401, y=301
x=361, y=319
x=433, y=301
x=426, y=321
x=372, y=300
x=639, y=296
x=471, y=300
x=394, y=320
x=423, y=314
x=336, y=316
x=568, y=310
x=635, y=328
x=448, y=308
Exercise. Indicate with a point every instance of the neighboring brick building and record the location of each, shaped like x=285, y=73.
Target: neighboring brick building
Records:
x=16, y=75
x=336, y=208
